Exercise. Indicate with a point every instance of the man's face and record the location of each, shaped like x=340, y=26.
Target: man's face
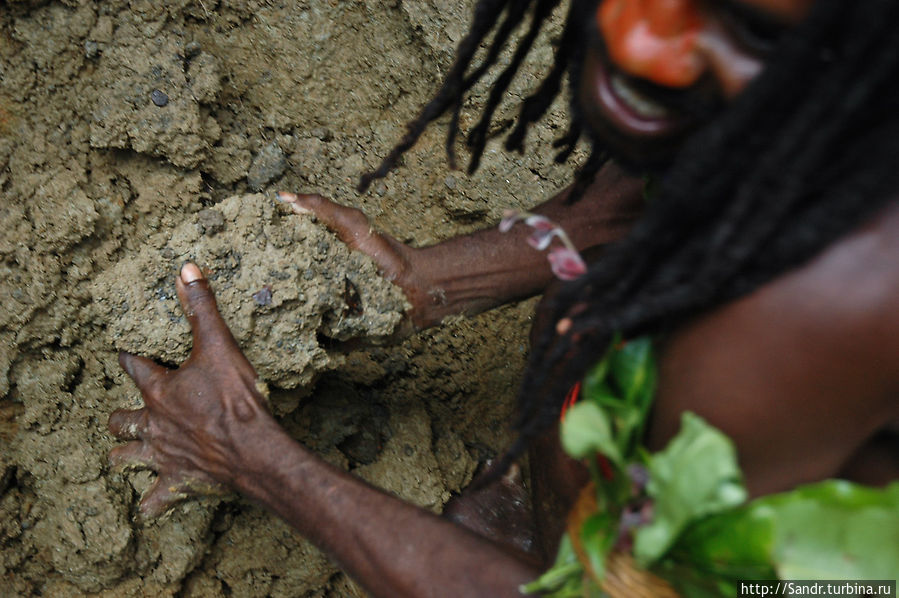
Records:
x=656, y=69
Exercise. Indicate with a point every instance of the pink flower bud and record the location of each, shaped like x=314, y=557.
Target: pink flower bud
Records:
x=566, y=264
x=542, y=237
x=510, y=217
x=539, y=222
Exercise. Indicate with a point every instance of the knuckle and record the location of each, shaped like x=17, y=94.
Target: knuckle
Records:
x=351, y=218
x=313, y=201
x=198, y=291
x=201, y=301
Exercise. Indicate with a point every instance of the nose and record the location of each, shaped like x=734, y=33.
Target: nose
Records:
x=673, y=43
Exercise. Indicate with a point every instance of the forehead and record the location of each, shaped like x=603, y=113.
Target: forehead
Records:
x=791, y=11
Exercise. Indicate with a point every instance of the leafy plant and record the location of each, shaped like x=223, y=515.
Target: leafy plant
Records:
x=682, y=512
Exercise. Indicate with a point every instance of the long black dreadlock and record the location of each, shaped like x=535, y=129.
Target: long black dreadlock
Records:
x=801, y=157
x=458, y=81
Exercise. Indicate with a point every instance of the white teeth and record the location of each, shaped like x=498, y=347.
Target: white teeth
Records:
x=642, y=105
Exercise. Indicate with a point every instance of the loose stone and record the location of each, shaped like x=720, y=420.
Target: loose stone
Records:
x=159, y=97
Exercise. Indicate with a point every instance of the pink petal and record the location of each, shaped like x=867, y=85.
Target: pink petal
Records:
x=510, y=217
x=539, y=222
x=541, y=238
x=566, y=264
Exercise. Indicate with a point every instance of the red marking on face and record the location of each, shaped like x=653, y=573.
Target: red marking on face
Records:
x=654, y=39
x=673, y=42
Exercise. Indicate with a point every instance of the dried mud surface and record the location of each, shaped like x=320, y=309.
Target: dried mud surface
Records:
x=282, y=282
x=134, y=135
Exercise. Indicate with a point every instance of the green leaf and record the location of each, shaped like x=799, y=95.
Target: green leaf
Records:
x=732, y=545
x=566, y=574
x=586, y=430
x=633, y=368
x=835, y=530
x=598, y=535
x=829, y=530
x=595, y=382
x=694, y=476
x=601, y=394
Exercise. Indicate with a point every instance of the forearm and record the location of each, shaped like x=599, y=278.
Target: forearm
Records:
x=390, y=547
x=476, y=272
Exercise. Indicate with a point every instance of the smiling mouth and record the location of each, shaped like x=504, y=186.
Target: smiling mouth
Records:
x=611, y=97
x=642, y=105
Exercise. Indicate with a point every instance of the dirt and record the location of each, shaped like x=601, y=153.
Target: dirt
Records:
x=133, y=136
x=282, y=281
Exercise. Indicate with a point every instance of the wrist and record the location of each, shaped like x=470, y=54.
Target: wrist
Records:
x=437, y=282
x=422, y=284
x=469, y=275
x=258, y=447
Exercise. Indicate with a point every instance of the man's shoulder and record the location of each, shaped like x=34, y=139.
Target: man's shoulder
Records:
x=849, y=294
x=857, y=276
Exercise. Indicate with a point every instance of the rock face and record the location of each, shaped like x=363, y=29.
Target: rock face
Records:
x=155, y=102
x=266, y=167
x=106, y=187
x=284, y=284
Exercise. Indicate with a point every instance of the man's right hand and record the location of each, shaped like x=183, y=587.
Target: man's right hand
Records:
x=472, y=273
x=398, y=263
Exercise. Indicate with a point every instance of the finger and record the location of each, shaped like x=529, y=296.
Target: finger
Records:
x=199, y=484
x=170, y=489
x=162, y=496
x=349, y=224
x=198, y=303
x=127, y=424
x=145, y=372
x=353, y=228
x=292, y=200
x=133, y=455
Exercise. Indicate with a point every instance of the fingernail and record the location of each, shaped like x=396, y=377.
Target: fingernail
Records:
x=190, y=273
x=292, y=200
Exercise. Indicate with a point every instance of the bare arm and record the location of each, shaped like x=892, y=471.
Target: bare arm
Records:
x=476, y=272
x=390, y=547
x=205, y=427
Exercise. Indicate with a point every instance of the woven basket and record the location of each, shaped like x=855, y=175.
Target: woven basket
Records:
x=623, y=578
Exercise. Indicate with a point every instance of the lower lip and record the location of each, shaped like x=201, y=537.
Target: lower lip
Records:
x=617, y=110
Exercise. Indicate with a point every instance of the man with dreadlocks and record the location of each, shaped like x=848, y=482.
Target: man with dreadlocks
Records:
x=766, y=257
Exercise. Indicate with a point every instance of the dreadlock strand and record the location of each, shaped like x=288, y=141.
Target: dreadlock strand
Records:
x=568, y=142
x=586, y=173
x=485, y=14
x=451, y=133
x=514, y=16
x=477, y=139
x=536, y=105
